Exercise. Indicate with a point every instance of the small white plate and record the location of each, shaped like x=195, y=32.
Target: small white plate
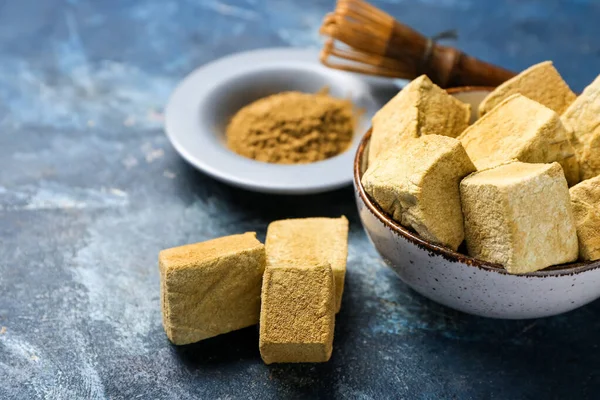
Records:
x=200, y=108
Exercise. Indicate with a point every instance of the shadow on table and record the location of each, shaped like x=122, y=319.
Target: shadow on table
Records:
x=266, y=206
x=228, y=348
x=554, y=357
x=306, y=381
x=233, y=353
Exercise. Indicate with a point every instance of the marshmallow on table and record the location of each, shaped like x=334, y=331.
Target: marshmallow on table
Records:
x=305, y=241
x=582, y=120
x=211, y=288
x=522, y=129
x=540, y=82
x=420, y=108
x=585, y=199
x=418, y=185
x=297, y=316
x=519, y=215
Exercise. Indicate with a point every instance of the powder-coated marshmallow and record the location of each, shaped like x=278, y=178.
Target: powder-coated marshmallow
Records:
x=520, y=129
x=585, y=199
x=421, y=108
x=297, y=314
x=519, y=215
x=582, y=120
x=540, y=82
x=418, y=185
x=211, y=288
x=310, y=241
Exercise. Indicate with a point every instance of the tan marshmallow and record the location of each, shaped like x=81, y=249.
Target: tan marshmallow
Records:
x=519, y=215
x=540, y=82
x=585, y=200
x=297, y=314
x=211, y=288
x=421, y=108
x=582, y=120
x=520, y=129
x=418, y=186
x=310, y=241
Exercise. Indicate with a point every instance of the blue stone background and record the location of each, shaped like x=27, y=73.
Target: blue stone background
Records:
x=90, y=191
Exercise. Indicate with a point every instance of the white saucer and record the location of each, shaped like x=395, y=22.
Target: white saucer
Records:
x=201, y=106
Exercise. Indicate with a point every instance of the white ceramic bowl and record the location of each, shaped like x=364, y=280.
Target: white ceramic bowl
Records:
x=204, y=102
x=465, y=283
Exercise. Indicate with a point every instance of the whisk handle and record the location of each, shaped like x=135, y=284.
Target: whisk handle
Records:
x=446, y=66
x=449, y=67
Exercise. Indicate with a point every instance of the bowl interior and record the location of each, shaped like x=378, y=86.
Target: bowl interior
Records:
x=472, y=96
x=250, y=85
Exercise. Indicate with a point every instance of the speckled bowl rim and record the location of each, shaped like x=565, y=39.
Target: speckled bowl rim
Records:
x=558, y=270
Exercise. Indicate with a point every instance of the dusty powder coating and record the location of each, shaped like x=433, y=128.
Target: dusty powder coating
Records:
x=585, y=200
x=211, y=288
x=519, y=215
x=292, y=128
x=540, y=82
x=582, y=120
x=310, y=241
x=520, y=129
x=418, y=186
x=297, y=314
x=421, y=108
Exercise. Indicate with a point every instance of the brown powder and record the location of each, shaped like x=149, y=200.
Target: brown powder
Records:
x=292, y=128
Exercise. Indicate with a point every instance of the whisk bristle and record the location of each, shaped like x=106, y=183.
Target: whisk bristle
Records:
x=365, y=30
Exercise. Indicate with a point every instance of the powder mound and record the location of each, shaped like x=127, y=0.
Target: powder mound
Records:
x=292, y=128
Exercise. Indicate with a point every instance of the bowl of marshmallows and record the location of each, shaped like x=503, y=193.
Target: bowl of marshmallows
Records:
x=487, y=200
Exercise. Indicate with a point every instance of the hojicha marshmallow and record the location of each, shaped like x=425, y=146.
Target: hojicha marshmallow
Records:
x=305, y=241
x=540, y=82
x=211, y=288
x=585, y=200
x=421, y=108
x=418, y=185
x=522, y=129
x=582, y=120
x=297, y=316
x=519, y=215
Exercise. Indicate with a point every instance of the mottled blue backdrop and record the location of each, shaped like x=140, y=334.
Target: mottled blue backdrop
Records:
x=90, y=191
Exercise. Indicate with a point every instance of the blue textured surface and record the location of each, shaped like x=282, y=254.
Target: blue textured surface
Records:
x=90, y=191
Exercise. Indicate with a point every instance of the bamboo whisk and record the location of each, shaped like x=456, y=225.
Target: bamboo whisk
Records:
x=374, y=43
